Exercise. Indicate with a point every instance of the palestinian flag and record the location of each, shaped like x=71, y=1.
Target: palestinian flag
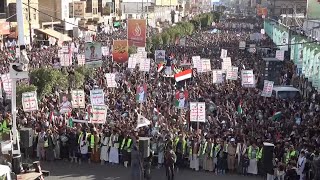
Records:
x=160, y=67
x=276, y=116
x=239, y=108
x=186, y=74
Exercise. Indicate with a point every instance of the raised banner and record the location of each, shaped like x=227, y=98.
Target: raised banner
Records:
x=160, y=55
x=97, y=97
x=78, y=99
x=226, y=64
x=267, y=88
x=132, y=62
x=205, y=66
x=224, y=53
x=120, y=52
x=93, y=54
x=232, y=73
x=65, y=60
x=141, y=93
x=181, y=99
x=111, y=79
x=105, y=50
x=81, y=59
x=196, y=62
x=137, y=32
x=217, y=76
x=29, y=101
x=99, y=114
x=242, y=45
x=144, y=65
x=247, y=78
x=7, y=86
x=197, y=112
x=280, y=55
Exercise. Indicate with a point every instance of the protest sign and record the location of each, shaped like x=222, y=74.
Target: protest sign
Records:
x=267, y=88
x=132, y=62
x=217, y=76
x=78, y=99
x=160, y=55
x=99, y=114
x=144, y=65
x=111, y=79
x=97, y=97
x=232, y=73
x=29, y=101
x=197, y=112
x=247, y=78
x=280, y=55
x=93, y=54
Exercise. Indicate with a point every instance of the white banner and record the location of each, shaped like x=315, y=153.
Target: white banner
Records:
x=145, y=65
x=81, y=59
x=142, y=121
x=217, y=76
x=224, y=53
x=97, y=97
x=111, y=80
x=280, y=55
x=29, y=101
x=232, y=73
x=197, y=112
x=247, y=78
x=65, y=49
x=105, y=50
x=196, y=62
x=7, y=86
x=78, y=99
x=242, y=45
x=226, y=64
x=267, y=88
x=65, y=60
x=99, y=114
x=132, y=62
x=205, y=66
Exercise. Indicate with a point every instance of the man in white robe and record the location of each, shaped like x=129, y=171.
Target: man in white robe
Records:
x=104, y=152
x=301, y=165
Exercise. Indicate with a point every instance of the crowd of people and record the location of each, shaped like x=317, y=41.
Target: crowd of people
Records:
x=230, y=141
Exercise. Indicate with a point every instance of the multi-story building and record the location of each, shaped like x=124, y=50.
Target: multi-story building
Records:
x=278, y=7
x=30, y=14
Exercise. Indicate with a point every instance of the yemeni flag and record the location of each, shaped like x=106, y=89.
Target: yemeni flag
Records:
x=276, y=115
x=186, y=74
x=160, y=67
x=239, y=108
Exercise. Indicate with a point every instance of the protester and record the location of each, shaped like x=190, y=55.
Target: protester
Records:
x=228, y=140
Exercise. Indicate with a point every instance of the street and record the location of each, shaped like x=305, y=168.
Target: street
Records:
x=70, y=171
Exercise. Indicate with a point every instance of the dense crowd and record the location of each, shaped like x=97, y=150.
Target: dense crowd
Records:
x=228, y=142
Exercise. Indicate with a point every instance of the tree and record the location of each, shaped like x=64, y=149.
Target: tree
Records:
x=132, y=50
x=165, y=38
x=87, y=72
x=22, y=88
x=45, y=79
x=149, y=44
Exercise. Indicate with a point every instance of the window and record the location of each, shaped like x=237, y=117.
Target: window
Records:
x=283, y=11
x=95, y=11
x=35, y=16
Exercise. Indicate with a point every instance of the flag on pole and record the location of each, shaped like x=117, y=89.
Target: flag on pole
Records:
x=239, y=108
x=276, y=115
x=160, y=67
x=156, y=111
x=186, y=74
x=142, y=121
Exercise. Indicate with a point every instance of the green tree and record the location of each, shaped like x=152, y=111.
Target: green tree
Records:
x=45, y=79
x=149, y=44
x=165, y=38
x=87, y=72
x=132, y=50
x=22, y=88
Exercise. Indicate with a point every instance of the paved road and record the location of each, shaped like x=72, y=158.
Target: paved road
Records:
x=71, y=171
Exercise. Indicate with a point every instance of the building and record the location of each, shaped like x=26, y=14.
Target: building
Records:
x=278, y=7
x=30, y=14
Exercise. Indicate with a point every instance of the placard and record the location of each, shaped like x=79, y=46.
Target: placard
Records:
x=81, y=59
x=205, y=66
x=224, y=53
x=232, y=73
x=267, y=88
x=247, y=78
x=65, y=60
x=160, y=55
x=217, y=76
x=197, y=112
x=111, y=79
x=7, y=86
x=78, y=99
x=226, y=64
x=280, y=55
x=29, y=101
x=196, y=62
x=242, y=45
x=93, y=54
x=132, y=62
x=99, y=114
x=105, y=50
x=97, y=97
x=144, y=65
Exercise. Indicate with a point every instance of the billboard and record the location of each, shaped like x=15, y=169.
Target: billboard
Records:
x=137, y=32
